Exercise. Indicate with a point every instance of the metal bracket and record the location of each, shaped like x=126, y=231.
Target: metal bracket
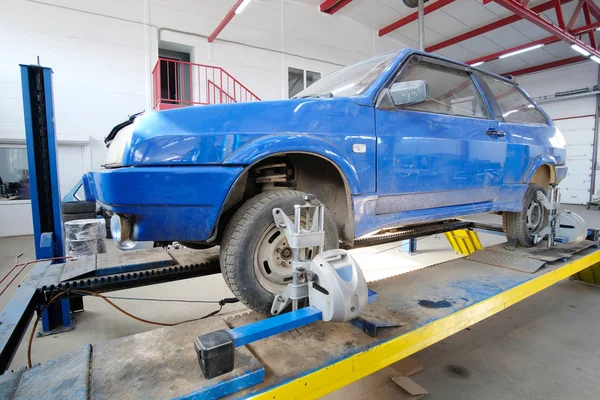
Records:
x=552, y=204
x=303, y=241
x=293, y=292
x=563, y=226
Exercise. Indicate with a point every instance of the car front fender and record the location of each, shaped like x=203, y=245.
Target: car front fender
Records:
x=274, y=145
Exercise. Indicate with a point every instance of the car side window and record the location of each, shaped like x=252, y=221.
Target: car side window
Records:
x=514, y=105
x=449, y=91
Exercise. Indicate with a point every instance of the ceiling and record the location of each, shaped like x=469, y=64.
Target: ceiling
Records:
x=462, y=16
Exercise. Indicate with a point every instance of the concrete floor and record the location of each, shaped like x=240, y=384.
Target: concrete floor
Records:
x=546, y=347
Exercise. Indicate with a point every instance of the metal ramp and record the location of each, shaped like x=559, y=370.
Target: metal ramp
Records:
x=528, y=259
x=430, y=304
x=167, y=369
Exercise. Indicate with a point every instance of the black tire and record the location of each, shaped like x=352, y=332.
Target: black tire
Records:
x=73, y=217
x=515, y=224
x=78, y=207
x=240, y=243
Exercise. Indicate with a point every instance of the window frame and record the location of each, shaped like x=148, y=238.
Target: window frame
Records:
x=16, y=144
x=304, y=71
x=415, y=59
x=480, y=76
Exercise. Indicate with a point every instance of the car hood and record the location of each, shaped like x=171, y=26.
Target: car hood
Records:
x=209, y=134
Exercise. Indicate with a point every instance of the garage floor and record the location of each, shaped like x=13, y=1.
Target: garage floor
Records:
x=546, y=347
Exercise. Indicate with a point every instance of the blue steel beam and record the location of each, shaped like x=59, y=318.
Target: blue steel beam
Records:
x=272, y=326
x=284, y=322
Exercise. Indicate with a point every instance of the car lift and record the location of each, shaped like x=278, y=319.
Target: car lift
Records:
x=292, y=355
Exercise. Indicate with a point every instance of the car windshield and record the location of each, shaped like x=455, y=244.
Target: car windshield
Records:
x=351, y=80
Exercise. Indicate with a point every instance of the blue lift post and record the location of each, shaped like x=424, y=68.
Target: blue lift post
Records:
x=42, y=158
x=409, y=246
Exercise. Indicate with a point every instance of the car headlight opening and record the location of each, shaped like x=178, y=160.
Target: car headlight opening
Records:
x=116, y=150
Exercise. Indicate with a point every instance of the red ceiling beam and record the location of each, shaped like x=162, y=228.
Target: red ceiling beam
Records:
x=575, y=14
x=490, y=27
x=333, y=6
x=546, y=66
x=594, y=9
x=534, y=18
x=586, y=29
x=547, y=40
x=414, y=16
x=228, y=17
x=588, y=20
x=559, y=13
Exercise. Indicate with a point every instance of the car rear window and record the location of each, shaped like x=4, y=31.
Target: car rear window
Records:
x=514, y=105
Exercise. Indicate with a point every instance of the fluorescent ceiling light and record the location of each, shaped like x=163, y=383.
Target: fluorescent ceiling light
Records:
x=513, y=53
x=242, y=6
x=580, y=50
x=477, y=64
x=598, y=29
x=594, y=58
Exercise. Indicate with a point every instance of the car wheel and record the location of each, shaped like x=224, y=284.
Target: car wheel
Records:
x=255, y=256
x=524, y=225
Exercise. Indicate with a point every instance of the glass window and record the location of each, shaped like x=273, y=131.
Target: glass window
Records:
x=312, y=77
x=295, y=81
x=351, y=80
x=448, y=91
x=514, y=105
x=14, y=174
x=299, y=79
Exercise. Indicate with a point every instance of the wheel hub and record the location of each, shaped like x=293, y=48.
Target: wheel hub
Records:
x=286, y=253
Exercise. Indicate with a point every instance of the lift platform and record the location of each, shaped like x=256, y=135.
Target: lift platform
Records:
x=426, y=306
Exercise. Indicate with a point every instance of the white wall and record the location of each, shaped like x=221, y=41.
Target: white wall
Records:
x=102, y=54
x=578, y=132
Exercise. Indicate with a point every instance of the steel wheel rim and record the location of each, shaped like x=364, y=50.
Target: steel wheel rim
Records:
x=534, y=217
x=272, y=260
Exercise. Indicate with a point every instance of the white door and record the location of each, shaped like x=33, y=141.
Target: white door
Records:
x=578, y=129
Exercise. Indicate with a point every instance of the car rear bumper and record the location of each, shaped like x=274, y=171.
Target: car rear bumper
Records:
x=164, y=203
x=561, y=172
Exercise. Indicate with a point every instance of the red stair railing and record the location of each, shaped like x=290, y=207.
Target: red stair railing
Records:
x=180, y=84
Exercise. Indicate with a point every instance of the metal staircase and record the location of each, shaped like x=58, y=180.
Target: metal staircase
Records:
x=181, y=84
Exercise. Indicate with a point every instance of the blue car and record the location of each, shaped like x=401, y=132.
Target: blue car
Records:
x=399, y=139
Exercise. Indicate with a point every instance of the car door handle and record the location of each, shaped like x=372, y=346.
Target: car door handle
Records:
x=495, y=132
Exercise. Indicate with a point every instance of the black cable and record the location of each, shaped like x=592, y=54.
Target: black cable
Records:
x=226, y=300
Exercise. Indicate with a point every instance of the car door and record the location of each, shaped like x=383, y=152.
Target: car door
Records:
x=445, y=151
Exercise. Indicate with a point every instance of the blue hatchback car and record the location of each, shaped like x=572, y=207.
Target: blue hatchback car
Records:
x=399, y=139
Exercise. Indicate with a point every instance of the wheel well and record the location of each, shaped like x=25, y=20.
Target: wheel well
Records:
x=299, y=171
x=544, y=176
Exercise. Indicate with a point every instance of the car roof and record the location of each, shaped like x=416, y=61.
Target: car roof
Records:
x=495, y=75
